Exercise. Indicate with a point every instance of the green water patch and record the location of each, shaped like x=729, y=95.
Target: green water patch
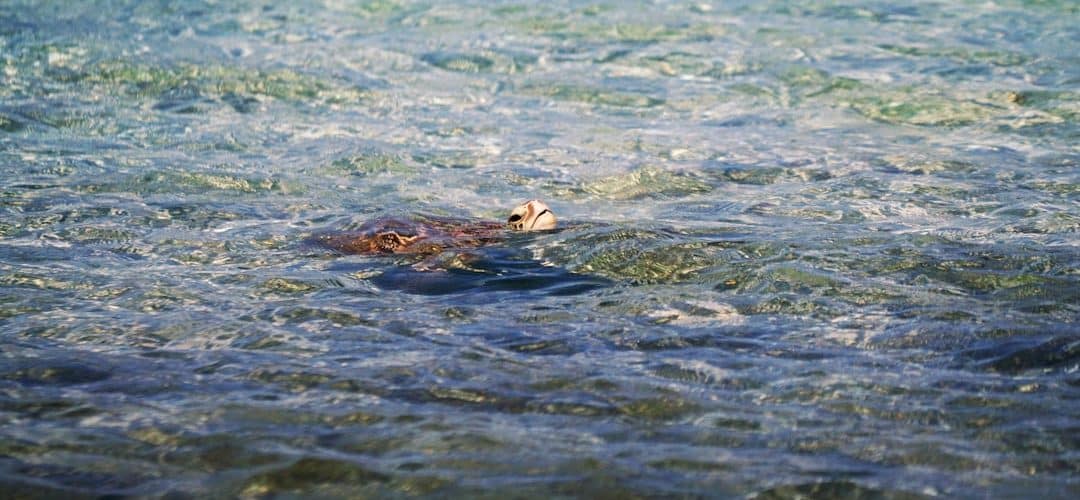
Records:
x=459, y=62
x=1010, y=285
x=11, y=229
x=84, y=235
x=481, y=62
x=338, y=478
x=1002, y=58
x=448, y=159
x=57, y=373
x=582, y=26
x=1064, y=6
x=788, y=304
x=10, y=123
x=287, y=286
x=186, y=182
x=643, y=266
x=780, y=280
x=759, y=95
x=60, y=114
x=795, y=85
x=811, y=82
x=381, y=9
x=1065, y=189
x=368, y=164
x=1037, y=284
x=643, y=183
x=922, y=165
x=906, y=105
x=1062, y=104
x=635, y=256
x=216, y=451
x=299, y=315
x=11, y=307
x=677, y=64
x=291, y=380
x=660, y=408
x=1049, y=223
x=919, y=107
x=161, y=299
x=911, y=106
x=82, y=224
x=42, y=282
x=313, y=476
x=234, y=84
x=97, y=470
x=591, y=95
x=720, y=379
x=192, y=215
x=925, y=106
x=764, y=175
x=1027, y=354
x=785, y=278
x=646, y=256
x=835, y=488
x=805, y=213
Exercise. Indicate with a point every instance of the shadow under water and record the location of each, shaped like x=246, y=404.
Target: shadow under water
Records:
x=474, y=270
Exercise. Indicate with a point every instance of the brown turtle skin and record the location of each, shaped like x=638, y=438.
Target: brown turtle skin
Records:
x=432, y=235
x=392, y=235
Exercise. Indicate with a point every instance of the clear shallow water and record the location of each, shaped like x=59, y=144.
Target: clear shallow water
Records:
x=809, y=248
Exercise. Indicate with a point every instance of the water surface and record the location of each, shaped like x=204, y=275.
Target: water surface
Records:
x=808, y=248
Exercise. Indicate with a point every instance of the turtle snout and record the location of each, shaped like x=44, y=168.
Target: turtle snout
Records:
x=532, y=215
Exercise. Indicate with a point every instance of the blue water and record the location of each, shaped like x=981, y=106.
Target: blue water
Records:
x=806, y=249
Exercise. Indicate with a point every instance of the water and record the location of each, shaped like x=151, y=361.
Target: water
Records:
x=808, y=248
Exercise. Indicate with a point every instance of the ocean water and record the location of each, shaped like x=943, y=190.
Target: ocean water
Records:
x=823, y=249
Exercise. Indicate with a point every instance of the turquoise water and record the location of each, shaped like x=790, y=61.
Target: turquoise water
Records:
x=807, y=248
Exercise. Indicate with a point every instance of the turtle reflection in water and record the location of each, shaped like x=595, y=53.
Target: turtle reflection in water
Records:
x=432, y=235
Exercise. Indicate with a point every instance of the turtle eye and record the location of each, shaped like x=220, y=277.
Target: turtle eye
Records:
x=515, y=218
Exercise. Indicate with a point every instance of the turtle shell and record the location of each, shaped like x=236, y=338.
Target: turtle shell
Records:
x=419, y=235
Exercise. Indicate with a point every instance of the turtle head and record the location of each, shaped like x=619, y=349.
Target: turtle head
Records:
x=532, y=215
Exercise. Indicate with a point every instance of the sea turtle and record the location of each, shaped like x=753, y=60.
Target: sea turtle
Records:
x=431, y=235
